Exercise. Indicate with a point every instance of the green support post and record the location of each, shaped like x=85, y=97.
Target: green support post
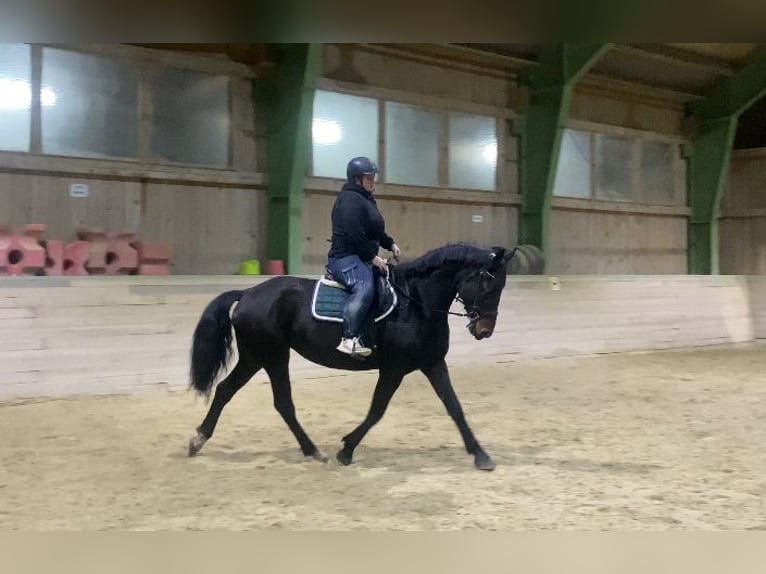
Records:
x=550, y=86
x=288, y=98
x=707, y=169
x=709, y=155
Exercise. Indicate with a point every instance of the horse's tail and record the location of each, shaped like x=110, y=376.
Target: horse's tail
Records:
x=211, y=342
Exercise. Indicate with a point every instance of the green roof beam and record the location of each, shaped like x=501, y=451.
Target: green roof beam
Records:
x=733, y=95
x=709, y=155
x=550, y=84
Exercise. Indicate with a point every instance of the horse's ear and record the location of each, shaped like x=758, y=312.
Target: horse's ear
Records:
x=509, y=255
x=497, y=256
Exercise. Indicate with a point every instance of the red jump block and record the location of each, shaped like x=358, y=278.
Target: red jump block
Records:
x=76, y=256
x=69, y=259
x=275, y=267
x=95, y=262
x=110, y=255
x=54, y=257
x=21, y=253
x=153, y=258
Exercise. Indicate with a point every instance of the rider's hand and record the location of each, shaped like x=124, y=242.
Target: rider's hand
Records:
x=396, y=251
x=381, y=264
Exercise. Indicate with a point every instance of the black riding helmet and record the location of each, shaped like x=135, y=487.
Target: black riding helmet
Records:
x=360, y=166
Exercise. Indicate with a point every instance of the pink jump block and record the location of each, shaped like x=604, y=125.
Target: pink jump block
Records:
x=21, y=253
x=153, y=257
x=110, y=255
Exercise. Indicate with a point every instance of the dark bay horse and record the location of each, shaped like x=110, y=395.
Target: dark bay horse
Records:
x=275, y=316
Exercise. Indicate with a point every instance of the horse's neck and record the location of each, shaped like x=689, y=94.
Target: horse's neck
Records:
x=439, y=290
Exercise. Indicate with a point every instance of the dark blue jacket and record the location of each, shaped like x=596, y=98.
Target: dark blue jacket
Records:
x=358, y=227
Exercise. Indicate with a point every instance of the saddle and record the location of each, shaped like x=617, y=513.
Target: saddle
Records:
x=330, y=296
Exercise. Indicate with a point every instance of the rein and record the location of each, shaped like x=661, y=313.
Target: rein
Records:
x=472, y=311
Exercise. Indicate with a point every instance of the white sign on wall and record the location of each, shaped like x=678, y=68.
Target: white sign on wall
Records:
x=79, y=190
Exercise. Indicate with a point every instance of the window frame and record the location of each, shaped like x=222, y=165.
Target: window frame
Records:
x=147, y=62
x=441, y=160
x=34, y=97
x=443, y=107
x=636, y=138
x=379, y=111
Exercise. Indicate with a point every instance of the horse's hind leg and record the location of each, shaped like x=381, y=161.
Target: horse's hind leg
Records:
x=279, y=373
x=226, y=389
x=388, y=383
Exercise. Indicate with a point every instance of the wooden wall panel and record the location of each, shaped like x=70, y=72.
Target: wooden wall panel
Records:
x=317, y=229
x=743, y=222
x=746, y=182
x=420, y=226
x=743, y=245
x=626, y=110
x=212, y=229
x=595, y=242
x=757, y=292
x=416, y=226
x=112, y=205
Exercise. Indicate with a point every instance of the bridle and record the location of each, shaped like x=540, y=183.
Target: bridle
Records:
x=472, y=311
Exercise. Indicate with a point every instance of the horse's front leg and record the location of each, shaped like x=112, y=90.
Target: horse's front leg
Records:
x=438, y=376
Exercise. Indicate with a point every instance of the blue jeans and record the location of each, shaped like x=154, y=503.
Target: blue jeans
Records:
x=356, y=276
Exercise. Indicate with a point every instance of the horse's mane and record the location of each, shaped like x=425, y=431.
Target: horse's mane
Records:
x=465, y=254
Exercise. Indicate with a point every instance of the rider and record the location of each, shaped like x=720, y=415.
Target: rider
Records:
x=358, y=230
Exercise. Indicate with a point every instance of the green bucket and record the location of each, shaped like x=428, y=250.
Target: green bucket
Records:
x=250, y=267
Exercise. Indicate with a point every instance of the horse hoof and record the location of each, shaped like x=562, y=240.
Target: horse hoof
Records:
x=343, y=458
x=196, y=443
x=320, y=456
x=483, y=462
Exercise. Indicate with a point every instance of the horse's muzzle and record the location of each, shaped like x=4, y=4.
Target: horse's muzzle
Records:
x=482, y=328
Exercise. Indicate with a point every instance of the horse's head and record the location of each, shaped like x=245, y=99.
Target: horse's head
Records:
x=479, y=291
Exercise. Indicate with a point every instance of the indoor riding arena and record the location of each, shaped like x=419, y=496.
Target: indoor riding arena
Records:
x=622, y=387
